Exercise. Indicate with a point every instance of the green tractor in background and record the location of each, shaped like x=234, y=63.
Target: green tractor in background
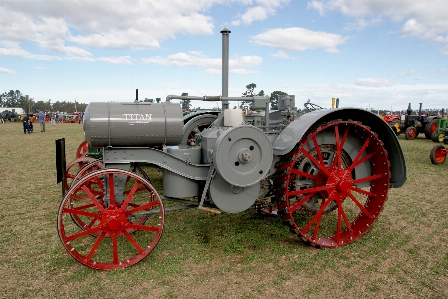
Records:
x=441, y=135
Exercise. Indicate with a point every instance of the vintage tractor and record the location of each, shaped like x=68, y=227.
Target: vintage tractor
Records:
x=416, y=124
x=440, y=135
x=326, y=173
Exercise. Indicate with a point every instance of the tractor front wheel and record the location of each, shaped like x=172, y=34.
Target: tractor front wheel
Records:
x=106, y=242
x=438, y=154
x=410, y=133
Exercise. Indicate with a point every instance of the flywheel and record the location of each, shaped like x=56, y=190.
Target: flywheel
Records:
x=242, y=155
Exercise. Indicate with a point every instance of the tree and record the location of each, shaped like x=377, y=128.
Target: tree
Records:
x=250, y=92
x=186, y=104
x=274, y=98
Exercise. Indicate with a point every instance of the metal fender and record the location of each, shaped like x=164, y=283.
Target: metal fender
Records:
x=295, y=131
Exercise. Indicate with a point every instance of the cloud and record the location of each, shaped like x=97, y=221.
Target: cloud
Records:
x=260, y=12
x=14, y=49
x=404, y=74
x=116, y=60
x=282, y=55
x=372, y=82
x=238, y=65
x=425, y=20
x=299, y=39
x=7, y=71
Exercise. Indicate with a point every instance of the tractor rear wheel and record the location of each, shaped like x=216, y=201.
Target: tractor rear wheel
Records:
x=106, y=243
x=341, y=169
x=438, y=154
x=430, y=128
x=410, y=133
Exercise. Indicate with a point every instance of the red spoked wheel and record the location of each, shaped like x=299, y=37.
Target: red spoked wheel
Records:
x=96, y=186
x=333, y=184
x=410, y=133
x=73, y=168
x=438, y=154
x=82, y=150
x=106, y=242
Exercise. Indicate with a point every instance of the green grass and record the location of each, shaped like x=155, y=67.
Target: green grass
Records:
x=201, y=255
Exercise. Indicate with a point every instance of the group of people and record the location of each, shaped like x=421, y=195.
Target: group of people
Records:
x=28, y=123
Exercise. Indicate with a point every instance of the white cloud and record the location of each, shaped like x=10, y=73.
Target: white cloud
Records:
x=14, y=49
x=260, y=12
x=299, y=39
x=119, y=25
x=237, y=65
x=425, y=20
x=374, y=82
x=116, y=60
x=404, y=74
x=281, y=54
x=7, y=71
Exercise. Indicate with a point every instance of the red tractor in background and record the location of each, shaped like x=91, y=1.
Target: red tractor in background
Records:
x=412, y=125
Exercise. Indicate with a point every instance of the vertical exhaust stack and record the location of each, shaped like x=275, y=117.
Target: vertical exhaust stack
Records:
x=225, y=66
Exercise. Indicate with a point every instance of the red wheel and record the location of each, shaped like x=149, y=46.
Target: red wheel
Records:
x=334, y=184
x=83, y=149
x=111, y=220
x=430, y=128
x=410, y=133
x=438, y=154
x=73, y=168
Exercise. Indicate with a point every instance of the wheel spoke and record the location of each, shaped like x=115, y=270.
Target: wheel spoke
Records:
x=319, y=165
x=130, y=195
x=319, y=153
x=362, y=191
x=344, y=216
x=360, y=206
x=300, y=203
x=93, y=198
x=95, y=246
x=356, y=161
x=83, y=233
x=301, y=173
x=314, y=190
x=111, y=189
x=142, y=207
x=317, y=216
x=79, y=212
x=369, y=178
x=133, y=242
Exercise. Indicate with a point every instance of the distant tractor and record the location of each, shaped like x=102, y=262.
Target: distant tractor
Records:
x=412, y=125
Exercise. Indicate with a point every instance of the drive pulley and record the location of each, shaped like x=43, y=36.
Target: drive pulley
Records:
x=242, y=155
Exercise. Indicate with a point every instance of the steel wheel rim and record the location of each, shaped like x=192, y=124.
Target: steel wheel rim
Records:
x=114, y=247
x=357, y=208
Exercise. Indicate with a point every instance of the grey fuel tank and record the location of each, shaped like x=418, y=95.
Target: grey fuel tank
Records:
x=132, y=124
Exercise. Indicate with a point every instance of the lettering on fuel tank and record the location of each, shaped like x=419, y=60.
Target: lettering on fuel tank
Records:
x=137, y=117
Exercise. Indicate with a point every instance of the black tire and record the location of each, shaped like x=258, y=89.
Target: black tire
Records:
x=430, y=128
x=410, y=133
x=445, y=141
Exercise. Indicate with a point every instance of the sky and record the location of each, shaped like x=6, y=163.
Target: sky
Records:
x=377, y=54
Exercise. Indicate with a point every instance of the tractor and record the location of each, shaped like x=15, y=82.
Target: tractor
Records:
x=325, y=173
x=413, y=125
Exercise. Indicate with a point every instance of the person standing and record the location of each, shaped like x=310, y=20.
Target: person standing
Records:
x=26, y=125
x=53, y=119
x=42, y=121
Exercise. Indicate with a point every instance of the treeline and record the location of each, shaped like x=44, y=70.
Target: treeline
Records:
x=15, y=99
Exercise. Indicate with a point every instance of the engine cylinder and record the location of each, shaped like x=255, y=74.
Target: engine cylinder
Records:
x=132, y=124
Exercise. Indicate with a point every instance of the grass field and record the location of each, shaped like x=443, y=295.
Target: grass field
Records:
x=201, y=255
